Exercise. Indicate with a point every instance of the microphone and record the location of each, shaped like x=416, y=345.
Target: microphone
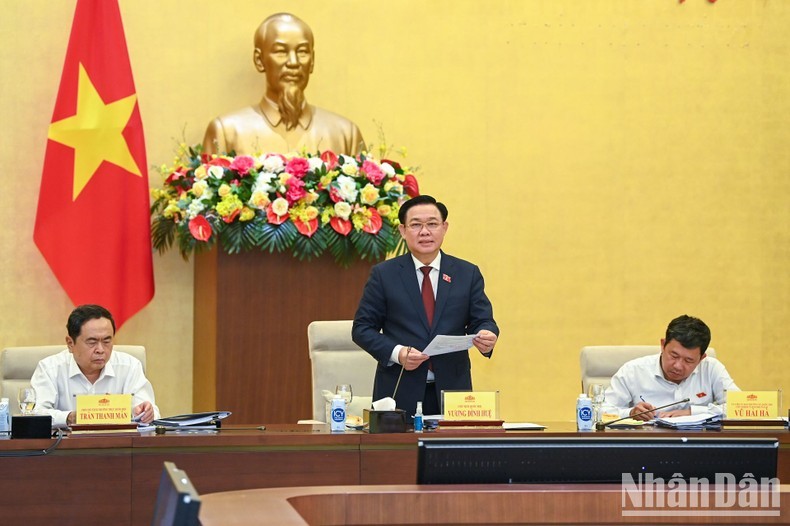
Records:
x=600, y=426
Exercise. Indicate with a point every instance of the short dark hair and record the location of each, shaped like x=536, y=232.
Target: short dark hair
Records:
x=690, y=332
x=84, y=313
x=421, y=200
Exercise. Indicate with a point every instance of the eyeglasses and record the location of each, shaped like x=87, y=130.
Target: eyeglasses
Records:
x=416, y=228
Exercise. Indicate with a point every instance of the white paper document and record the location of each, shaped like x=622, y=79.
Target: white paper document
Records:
x=446, y=344
x=522, y=426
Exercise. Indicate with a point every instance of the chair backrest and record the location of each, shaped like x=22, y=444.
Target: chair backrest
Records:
x=336, y=359
x=17, y=365
x=600, y=362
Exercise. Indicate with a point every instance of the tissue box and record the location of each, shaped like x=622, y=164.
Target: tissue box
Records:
x=384, y=421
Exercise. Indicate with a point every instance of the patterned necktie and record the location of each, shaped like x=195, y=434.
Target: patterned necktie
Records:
x=427, y=293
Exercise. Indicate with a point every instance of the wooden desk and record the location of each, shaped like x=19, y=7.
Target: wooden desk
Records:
x=101, y=480
x=457, y=505
x=392, y=459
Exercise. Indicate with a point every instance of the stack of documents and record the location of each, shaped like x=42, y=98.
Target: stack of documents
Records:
x=691, y=422
x=210, y=419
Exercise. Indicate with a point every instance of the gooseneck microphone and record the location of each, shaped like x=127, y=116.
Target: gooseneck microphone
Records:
x=600, y=426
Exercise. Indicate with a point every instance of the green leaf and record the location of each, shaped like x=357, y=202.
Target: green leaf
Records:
x=277, y=238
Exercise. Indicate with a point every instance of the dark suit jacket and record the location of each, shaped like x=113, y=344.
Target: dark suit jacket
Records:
x=391, y=313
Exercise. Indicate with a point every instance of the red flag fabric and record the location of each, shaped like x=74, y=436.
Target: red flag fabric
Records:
x=92, y=223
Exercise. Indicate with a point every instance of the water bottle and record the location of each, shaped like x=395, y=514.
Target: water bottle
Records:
x=337, y=423
x=5, y=418
x=418, y=418
x=584, y=413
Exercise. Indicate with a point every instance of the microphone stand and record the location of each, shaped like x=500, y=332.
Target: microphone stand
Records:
x=600, y=426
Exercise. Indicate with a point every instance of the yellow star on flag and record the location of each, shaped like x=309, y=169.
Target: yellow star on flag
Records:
x=95, y=132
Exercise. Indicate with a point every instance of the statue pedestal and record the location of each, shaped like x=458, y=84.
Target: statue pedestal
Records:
x=250, y=336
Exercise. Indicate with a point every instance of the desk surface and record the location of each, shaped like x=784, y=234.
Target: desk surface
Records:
x=121, y=471
x=472, y=504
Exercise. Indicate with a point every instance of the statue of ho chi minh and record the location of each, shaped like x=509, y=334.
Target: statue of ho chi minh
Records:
x=283, y=121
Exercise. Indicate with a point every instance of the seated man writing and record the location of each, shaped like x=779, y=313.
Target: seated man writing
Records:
x=89, y=366
x=680, y=371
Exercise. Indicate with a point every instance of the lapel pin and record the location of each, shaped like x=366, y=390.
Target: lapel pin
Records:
x=447, y=278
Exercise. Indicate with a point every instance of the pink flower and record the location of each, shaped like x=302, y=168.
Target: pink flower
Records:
x=242, y=164
x=295, y=191
x=373, y=172
x=297, y=167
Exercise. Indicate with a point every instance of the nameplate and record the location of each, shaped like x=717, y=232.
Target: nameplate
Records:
x=471, y=405
x=752, y=405
x=104, y=409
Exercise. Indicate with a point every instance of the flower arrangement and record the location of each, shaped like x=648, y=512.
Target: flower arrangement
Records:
x=303, y=203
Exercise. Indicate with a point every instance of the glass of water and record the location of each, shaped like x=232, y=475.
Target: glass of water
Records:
x=27, y=400
x=345, y=392
x=597, y=394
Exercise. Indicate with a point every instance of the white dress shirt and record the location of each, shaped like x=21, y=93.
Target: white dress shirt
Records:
x=58, y=380
x=642, y=378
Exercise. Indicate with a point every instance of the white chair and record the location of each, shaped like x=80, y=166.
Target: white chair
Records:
x=17, y=365
x=336, y=359
x=600, y=362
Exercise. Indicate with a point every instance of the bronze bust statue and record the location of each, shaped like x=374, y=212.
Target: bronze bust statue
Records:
x=283, y=121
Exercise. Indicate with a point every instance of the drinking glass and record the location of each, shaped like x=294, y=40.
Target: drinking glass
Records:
x=27, y=400
x=597, y=394
x=345, y=392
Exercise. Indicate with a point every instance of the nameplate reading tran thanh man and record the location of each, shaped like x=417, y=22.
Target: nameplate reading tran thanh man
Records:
x=104, y=409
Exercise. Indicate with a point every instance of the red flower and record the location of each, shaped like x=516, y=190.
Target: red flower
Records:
x=373, y=172
x=340, y=225
x=232, y=216
x=297, y=167
x=334, y=194
x=175, y=176
x=410, y=186
x=242, y=164
x=200, y=228
x=274, y=218
x=330, y=159
x=374, y=223
x=219, y=161
x=306, y=228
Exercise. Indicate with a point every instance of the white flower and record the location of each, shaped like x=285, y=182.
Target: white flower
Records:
x=315, y=163
x=273, y=163
x=263, y=182
x=350, y=166
x=342, y=210
x=280, y=206
x=194, y=208
x=216, y=171
x=347, y=188
x=388, y=170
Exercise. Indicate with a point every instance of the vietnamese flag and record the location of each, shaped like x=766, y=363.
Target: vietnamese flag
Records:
x=92, y=224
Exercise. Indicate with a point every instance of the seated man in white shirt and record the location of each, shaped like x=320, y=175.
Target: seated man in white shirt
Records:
x=89, y=366
x=680, y=371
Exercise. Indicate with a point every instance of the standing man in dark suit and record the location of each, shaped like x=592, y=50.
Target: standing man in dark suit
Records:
x=399, y=313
